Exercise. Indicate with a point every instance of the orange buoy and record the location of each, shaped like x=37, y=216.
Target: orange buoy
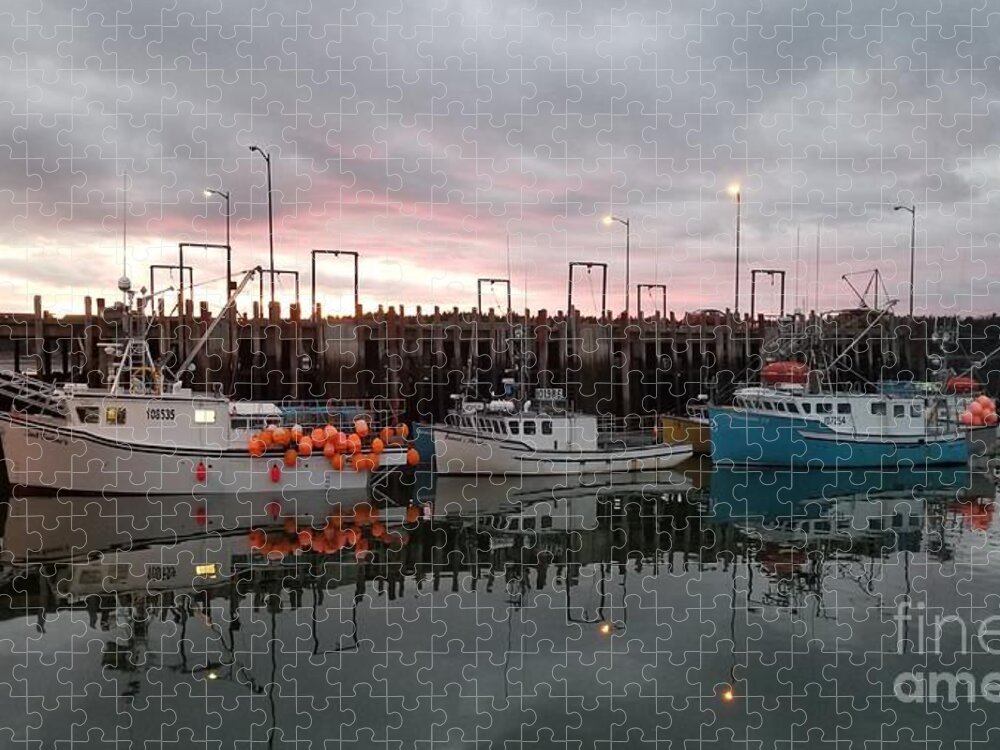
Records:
x=386, y=434
x=378, y=445
x=412, y=514
x=362, y=513
x=267, y=437
x=353, y=443
x=257, y=538
x=361, y=427
x=305, y=447
x=291, y=525
x=976, y=409
x=256, y=447
x=281, y=436
x=306, y=538
x=378, y=529
x=291, y=456
x=412, y=457
x=331, y=432
x=966, y=418
x=318, y=436
x=296, y=432
x=991, y=419
x=329, y=449
x=403, y=431
x=337, y=461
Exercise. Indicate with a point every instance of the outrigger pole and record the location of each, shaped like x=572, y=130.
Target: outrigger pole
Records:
x=247, y=278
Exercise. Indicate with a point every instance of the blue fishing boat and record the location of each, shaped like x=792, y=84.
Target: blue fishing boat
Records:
x=791, y=425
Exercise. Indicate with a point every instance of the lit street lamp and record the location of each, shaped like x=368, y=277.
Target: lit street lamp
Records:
x=608, y=221
x=270, y=213
x=734, y=190
x=913, y=241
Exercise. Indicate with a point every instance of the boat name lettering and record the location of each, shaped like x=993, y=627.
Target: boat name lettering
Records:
x=160, y=414
x=549, y=394
x=161, y=572
x=835, y=420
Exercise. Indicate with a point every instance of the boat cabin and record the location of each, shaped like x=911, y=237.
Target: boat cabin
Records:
x=842, y=412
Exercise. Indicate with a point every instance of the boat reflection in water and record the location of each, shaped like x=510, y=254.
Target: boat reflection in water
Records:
x=171, y=619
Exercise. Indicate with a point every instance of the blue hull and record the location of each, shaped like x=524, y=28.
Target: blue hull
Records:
x=750, y=438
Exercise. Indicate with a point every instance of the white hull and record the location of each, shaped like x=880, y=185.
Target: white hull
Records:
x=458, y=453
x=49, y=458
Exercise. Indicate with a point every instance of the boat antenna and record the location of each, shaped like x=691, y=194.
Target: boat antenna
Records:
x=798, y=253
x=819, y=226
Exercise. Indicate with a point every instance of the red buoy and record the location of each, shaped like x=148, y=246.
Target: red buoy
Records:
x=201, y=472
x=275, y=473
x=785, y=372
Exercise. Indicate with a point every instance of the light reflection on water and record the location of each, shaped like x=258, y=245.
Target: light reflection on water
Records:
x=725, y=607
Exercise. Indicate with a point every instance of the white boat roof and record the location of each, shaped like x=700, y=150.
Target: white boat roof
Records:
x=255, y=409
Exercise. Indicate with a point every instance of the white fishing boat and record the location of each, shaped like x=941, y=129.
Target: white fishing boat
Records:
x=513, y=436
x=147, y=433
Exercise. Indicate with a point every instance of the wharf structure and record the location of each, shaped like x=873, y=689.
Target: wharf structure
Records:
x=608, y=365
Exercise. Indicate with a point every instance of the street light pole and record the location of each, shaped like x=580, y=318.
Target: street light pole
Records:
x=735, y=191
x=608, y=220
x=224, y=194
x=913, y=243
x=270, y=213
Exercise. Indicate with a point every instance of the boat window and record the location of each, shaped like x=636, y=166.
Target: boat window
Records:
x=843, y=408
x=546, y=428
x=204, y=416
x=899, y=410
x=529, y=427
x=515, y=428
x=546, y=522
x=527, y=524
x=878, y=408
x=807, y=407
x=114, y=415
x=89, y=414
x=916, y=411
x=824, y=408
x=793, y=407
x=768, y=406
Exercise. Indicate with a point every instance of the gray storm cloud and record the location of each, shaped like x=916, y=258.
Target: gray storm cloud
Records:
x=423, y=134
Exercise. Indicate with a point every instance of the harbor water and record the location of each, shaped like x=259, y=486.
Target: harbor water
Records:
x=697, y=607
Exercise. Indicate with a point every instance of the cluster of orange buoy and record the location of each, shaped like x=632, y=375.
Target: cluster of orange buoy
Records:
x=360, y=448
x=981, y=411
x=355, y=530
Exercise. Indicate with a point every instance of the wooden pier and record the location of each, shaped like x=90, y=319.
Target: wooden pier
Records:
x=608, y=365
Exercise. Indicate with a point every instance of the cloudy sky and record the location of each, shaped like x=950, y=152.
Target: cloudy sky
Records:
x=423, y=135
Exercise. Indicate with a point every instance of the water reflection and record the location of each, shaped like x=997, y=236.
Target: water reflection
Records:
x=673, y=605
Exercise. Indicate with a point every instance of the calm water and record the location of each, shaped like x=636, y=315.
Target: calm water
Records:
x=675, y=610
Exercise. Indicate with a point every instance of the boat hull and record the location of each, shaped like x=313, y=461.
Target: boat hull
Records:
x=47, y=458
x=748, y=438
x=457, y=453
x=677, y=430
